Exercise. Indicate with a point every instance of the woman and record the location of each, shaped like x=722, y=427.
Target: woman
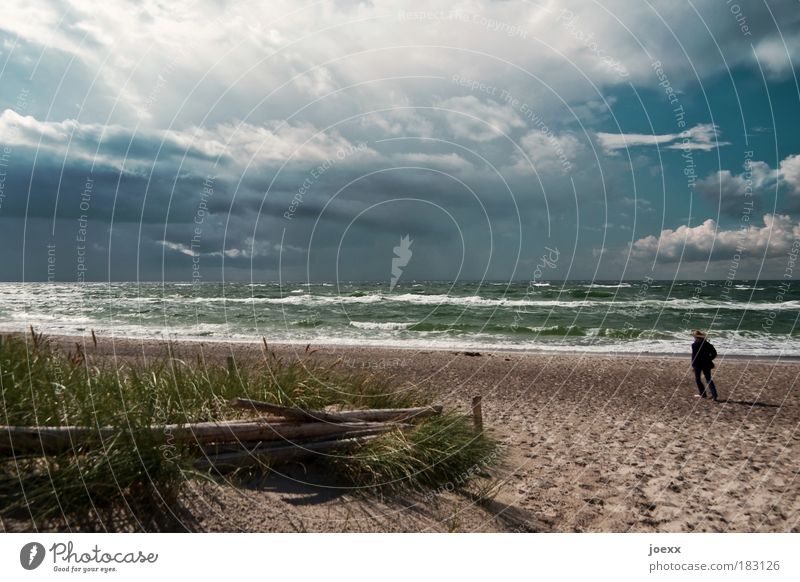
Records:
x=703, y=354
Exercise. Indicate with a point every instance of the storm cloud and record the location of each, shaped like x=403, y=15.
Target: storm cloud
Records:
x=303, y=142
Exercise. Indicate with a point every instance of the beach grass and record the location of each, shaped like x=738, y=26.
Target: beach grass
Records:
x=441, y=454
x=133, y=480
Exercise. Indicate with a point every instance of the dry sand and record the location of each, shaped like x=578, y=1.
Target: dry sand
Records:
x=595, y=443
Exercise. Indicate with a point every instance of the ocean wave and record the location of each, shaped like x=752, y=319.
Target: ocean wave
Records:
x=581, y=293
x=473, y=328
x=632, y=333
x=512, y=330
x=313, y=322
x=761, y=346
x=466, y=328
x=559, y=330
x=386, y=325
x=577, y=299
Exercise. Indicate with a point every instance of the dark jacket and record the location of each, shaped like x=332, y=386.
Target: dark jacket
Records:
x=703, y=354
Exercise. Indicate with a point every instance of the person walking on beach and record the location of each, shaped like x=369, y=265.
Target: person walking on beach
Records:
x=703, y=354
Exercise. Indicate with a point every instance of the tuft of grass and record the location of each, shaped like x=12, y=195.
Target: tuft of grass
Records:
x=125, y=484
x=441, y=453
x=133, y=480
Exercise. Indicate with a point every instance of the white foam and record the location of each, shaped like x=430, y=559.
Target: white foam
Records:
x=390, y=325
x=72, y=299
x=382, y=334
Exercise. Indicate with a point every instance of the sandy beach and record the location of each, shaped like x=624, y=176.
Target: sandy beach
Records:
x=593, y=444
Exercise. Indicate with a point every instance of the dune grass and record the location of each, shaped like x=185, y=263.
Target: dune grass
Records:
x=133, y=480
x=442, y=453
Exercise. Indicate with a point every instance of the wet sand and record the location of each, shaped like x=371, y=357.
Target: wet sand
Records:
x=594, y=443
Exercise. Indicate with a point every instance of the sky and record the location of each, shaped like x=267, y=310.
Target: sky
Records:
x=289, y=141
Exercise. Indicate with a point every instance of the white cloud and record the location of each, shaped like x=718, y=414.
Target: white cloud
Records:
x=278, y=141
x=592, y=111
x=695, y=243
x=790, y=173
x=250, y=248
x=757, y=180
x=83, y=141
x=776, y=54
x=447, y=162
x=316, y=81
x=246, y=49
x=479, y=120
x=177, y=247
x=549, y=152
x=704, y=136
x=274, y=141
x=400, y=122
x=618, y=141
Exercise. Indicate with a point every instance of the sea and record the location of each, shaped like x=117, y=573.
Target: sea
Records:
x=748, y=318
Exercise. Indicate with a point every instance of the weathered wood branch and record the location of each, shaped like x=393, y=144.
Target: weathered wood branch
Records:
x=289, y=412
x=19, y=440
x=53, y=440
x=372, y=415
x=285, y=423
x=271, y=454
x=368, y=430
x=391, y=414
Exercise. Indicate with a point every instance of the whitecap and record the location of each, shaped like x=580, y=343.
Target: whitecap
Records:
x=387, y=325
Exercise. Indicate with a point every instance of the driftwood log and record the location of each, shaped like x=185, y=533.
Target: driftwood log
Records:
x=371, y=415
x=50, y=440
x=287, y=434
x=265, y=454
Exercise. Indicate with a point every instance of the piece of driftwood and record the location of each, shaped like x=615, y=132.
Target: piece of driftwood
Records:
x=371, y=430
x=391, y=414
x=273, y=454
x=49, y=440
x=372, y=415
x=289, y=412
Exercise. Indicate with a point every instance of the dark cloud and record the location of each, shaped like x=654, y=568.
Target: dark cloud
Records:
x=57, y=188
